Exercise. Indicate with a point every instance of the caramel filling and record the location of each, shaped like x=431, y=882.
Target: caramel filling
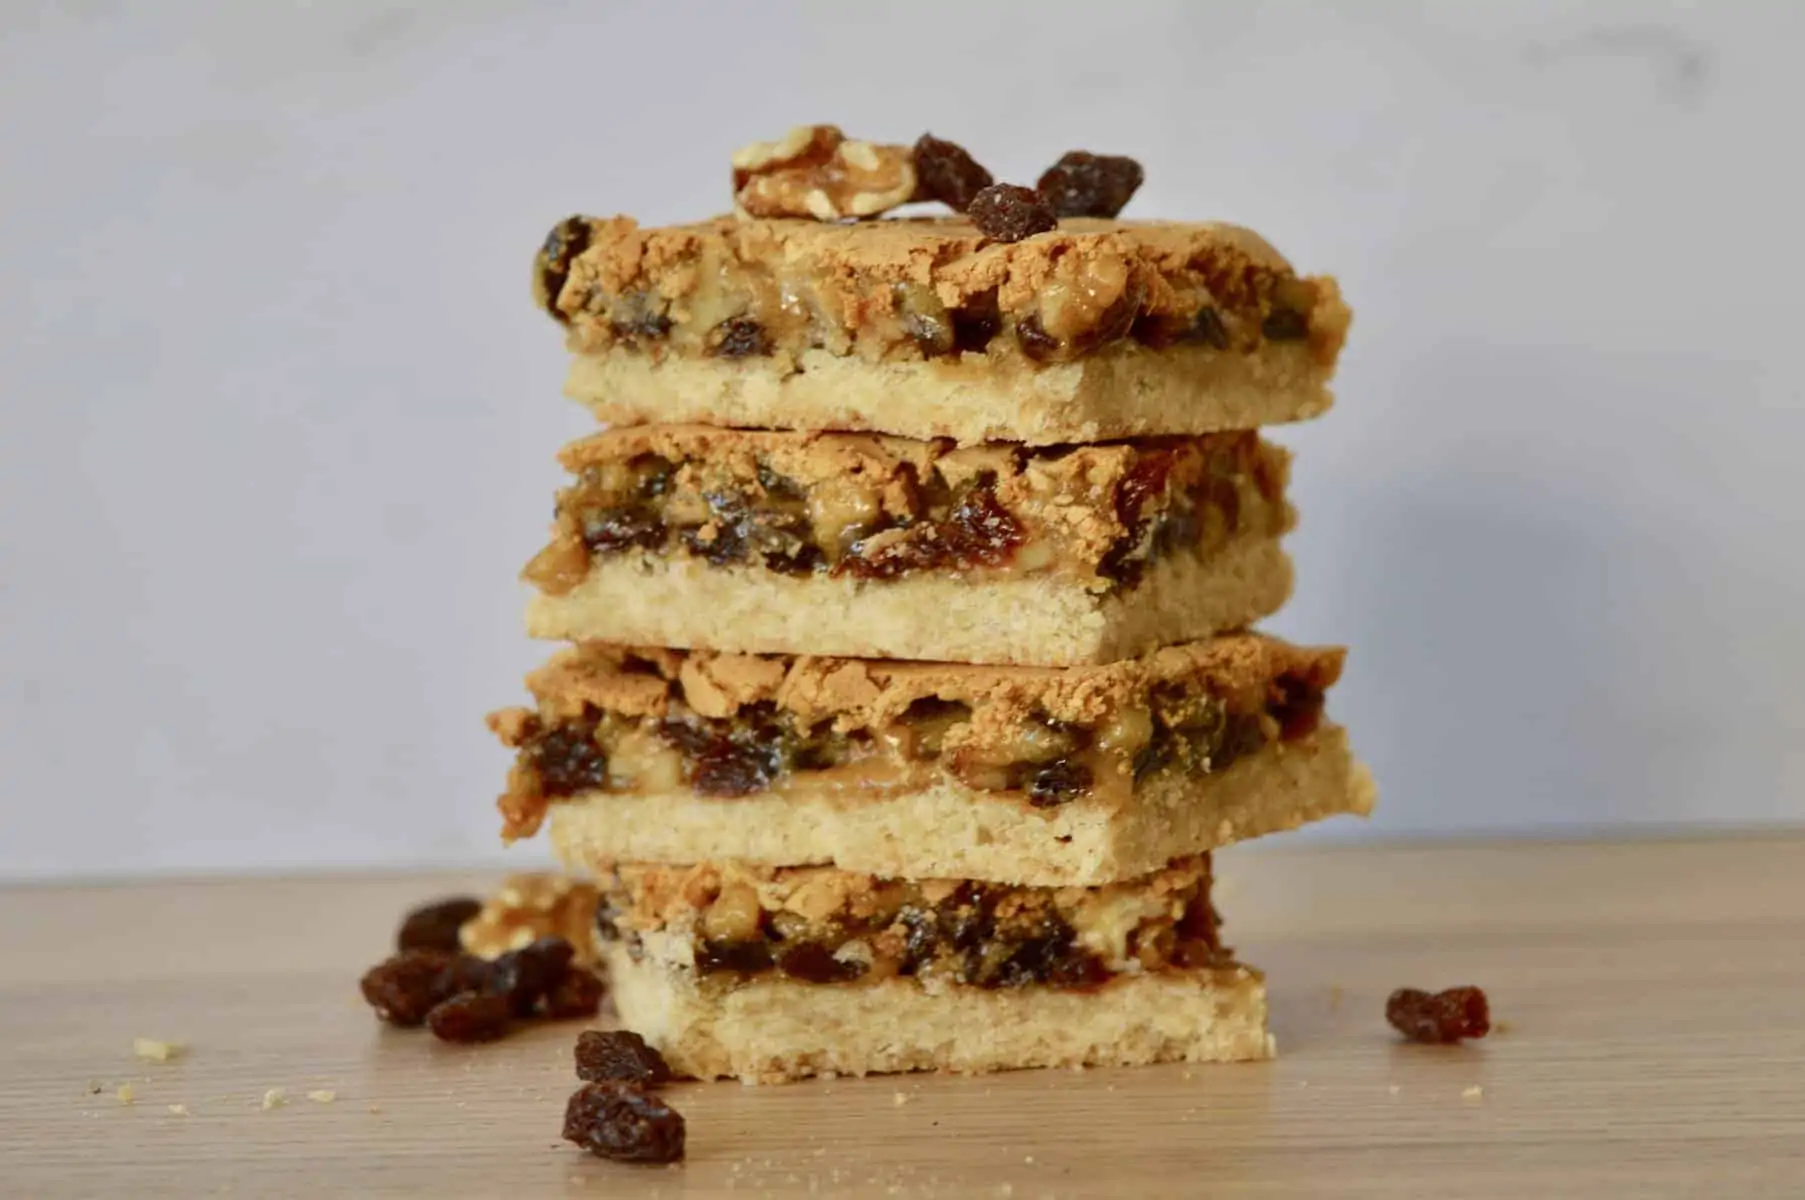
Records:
x=762, y=748
x=704, y=301
x=986, y=512
x=827, y=926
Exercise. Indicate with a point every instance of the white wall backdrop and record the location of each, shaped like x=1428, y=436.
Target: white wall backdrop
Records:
x=277, y=419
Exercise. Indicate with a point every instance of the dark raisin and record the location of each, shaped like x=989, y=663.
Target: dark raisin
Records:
x=1052, y=958
x=1144, y=481
x=945, y=172
x=568, y=760
x=692, y=740
x=1241, y=734
x=726, y=534
x=1082, y=184
x=1009, y=213
x=1058, y=783
x=469, y=1017
x=1285, y=325
x=738, y=337
x=621, y=1055
x=578, y=994
x=403, y=989
x=467, y=973
x=568, y=238
x=435, y=926
x=1035, y=341
x=1447, y=1016
x=728, y=768
x=812, y=962
x=1298, y=708
x=921, y=938
x=975, y=322
x=620, y=1121
x=980, y=530
x=748, y=958
x=524, y=976
x=1207, y=329
x=615, y=529
x=803, y=560
x=639, y=319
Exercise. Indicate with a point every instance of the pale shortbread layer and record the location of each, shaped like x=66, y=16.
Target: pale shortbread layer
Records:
x=952, y=831
x=1124, y=392
x=767, y=1029
x=642, y=598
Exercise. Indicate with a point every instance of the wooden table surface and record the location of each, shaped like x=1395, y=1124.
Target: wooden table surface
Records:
x=1652, y=999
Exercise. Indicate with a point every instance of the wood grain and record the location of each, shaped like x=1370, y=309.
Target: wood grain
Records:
x=1653, y=996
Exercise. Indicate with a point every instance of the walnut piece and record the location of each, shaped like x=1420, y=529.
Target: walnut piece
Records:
x=815, y=171
x=528, y=907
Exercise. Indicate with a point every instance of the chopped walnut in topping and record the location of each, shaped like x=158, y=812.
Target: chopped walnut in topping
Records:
x=528, y=907
x=815, y=171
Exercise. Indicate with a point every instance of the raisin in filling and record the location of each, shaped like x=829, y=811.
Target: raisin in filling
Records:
x=981, y=935
x=1163, y=517
x=758, y=312
x=1180, y=496
x=1045, y=762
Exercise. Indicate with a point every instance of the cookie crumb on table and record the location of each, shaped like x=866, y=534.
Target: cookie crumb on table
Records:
x=156, y=1050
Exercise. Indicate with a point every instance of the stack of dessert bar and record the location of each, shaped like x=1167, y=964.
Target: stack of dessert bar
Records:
x=909, y=688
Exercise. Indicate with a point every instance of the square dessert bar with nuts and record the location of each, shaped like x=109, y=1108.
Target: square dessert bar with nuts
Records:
x=771, y=974
x=926, y=327
x=1017, y=775
x=868, y=545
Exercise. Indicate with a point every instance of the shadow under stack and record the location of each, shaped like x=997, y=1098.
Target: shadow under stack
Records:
x=909, y=687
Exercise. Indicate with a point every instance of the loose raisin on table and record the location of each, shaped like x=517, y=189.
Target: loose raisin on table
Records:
x=1009, y=213
x=1082, y=184
x=523, y=977
x=404, y=988
x=469, y=1017
x=1447, y=1016
x=620, y=1121
x=947, y=173
x=619, y=1055
x=578, y=994
x=435, y=926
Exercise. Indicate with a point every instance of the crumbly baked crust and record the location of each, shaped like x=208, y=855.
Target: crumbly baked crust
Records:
x=867, y=693
x=651, y=599
x=772, y=1030
x=925, y=328
x=1122, y=391
x=947, y=829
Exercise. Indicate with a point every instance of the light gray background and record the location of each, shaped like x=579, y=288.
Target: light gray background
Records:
x=277, y=419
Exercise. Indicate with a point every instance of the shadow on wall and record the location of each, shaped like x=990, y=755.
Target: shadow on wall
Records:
x=1561, y=615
